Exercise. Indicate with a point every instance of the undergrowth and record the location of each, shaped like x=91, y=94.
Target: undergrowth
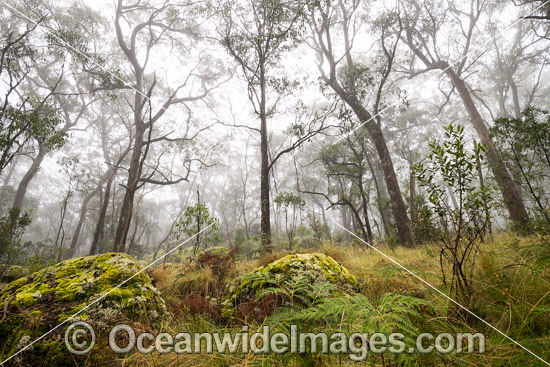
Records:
x=512, y=293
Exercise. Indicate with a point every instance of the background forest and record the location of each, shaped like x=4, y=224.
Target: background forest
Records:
x=276, y=127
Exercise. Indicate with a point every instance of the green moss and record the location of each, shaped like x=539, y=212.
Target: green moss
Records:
x=16, y=284
x=36, y=313
x=24, y=300
x=313, y=268
x=54, y=294
x=216, y=250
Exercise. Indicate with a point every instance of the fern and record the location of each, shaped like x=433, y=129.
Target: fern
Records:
x=299, y=289
x=392, y=314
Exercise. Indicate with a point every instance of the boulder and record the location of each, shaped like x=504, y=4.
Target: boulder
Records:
x=216, y=250
x=297, y=274
x=37, y=303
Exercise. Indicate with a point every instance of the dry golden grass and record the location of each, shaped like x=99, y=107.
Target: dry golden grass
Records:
x=509, y=291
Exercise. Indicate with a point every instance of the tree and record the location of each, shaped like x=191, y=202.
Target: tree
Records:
x=258, y=34
x=148, y=27
x=197, y=218
x=71, y=73
x=525, y=143
x=12, y=227
x=352, y=80
x=290, y=203
x=346, y=161
x=422, y=24
x=30, y=118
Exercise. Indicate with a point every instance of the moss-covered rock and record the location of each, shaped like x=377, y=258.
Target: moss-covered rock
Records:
x=296, y=275
x=42, y=300
x=216, y=250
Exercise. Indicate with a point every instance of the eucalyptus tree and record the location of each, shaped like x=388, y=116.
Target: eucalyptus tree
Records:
x=290, y=203
x=26, y=119
x=524, y=143
x=515, y=73
x=68, y=70
x=347, y=161
x=334, y=27
x=258, y=34
x=428, y=28
x=101, y=174
x=115, y=150
x=73, y=74
x=144, y=32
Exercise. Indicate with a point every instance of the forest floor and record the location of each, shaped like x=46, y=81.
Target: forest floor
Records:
x=511, y=292
x=512, y=287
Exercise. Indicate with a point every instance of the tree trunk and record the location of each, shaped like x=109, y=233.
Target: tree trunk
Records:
x=61, y=230
x=81, y=219
x=98, y=233
x=345, y=218
x=399, y=209
x=132, y=242
x=29, y=175
x=265, y=224
x=365, y=207
x=11, y=170
x=412, y=194
x=134, y=172
x=379, y=200
x=512, y=199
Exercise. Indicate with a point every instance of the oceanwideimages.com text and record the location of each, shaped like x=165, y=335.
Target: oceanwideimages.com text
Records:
x=123, y=339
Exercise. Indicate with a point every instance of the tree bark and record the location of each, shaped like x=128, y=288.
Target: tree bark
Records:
x=265, y=223
x=81, y=219
x=134, y=170
x=345, y=218
x=29, y=175
x=399, y=209
x=128, y=202
x=98, y=233
x=412, y=194
x=512, y=199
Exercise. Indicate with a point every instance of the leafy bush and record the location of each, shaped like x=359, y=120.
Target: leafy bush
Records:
x=194, y=220
x=462, y=226
x=12, y=226
x=524, y=144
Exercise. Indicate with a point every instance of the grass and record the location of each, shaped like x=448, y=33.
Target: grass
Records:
x=512, y=293
x=512, y=282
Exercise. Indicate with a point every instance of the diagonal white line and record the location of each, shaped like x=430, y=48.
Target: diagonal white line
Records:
x=106, y=293
x=79, y=52
x=442, y=71
x=443, y=294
